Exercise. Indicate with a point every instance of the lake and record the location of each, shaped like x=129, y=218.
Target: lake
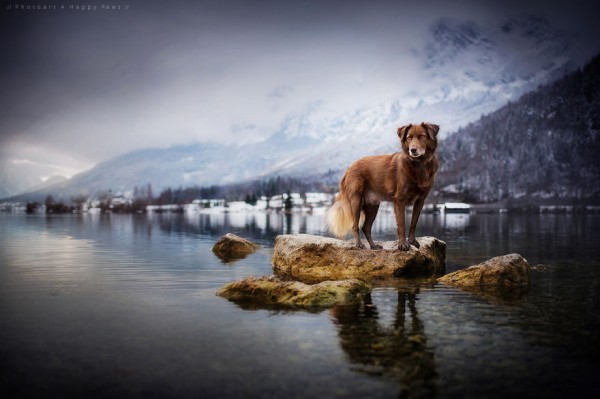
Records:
x=113, y=306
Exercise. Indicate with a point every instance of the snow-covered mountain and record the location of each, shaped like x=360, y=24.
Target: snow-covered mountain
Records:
x=46, y=184
x=468, y=70
x=545, y=145
x=477, y=69
x=17, y=176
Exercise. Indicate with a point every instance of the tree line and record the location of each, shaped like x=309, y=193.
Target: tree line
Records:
x=143, y=196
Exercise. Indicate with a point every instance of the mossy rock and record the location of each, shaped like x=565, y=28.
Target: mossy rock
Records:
x=272, y=291
x=502, y=272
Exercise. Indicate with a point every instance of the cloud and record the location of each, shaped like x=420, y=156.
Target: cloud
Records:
x=85, y=88
x=40, y=160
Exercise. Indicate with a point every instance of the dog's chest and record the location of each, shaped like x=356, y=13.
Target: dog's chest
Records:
x=417, y=181
x=411, y=190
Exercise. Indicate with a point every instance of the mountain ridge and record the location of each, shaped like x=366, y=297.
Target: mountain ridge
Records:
x=544, y=145
x=475, y=78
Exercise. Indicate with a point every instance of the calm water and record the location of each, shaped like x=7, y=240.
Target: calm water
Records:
x=125, y=306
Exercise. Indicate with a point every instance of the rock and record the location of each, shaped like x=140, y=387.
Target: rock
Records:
x=501, y=272
x=231, y=247
x=272, y=291
x=538, y=268
x=311, y=258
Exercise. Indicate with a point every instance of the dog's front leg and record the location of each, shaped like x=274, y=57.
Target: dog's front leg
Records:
x=399, y=208
x=417, y=207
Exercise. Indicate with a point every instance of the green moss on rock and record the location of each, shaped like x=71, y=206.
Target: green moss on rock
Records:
x=272, y=291
x=502, y=272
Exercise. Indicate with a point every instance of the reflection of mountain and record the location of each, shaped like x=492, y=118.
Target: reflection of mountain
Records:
x=399, y=350
x=467, y=70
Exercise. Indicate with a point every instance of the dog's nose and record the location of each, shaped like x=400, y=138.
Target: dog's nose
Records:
x=413, y=150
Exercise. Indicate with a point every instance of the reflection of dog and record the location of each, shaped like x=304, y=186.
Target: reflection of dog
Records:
x=403, y=352
x=404, y=178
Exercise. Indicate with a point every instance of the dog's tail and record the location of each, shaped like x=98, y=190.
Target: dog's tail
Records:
x=339, y=216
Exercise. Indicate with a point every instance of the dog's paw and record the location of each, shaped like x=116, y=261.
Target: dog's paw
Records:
x=359, y=245
x=376, y=246
x=414, y=242
x=403, y=246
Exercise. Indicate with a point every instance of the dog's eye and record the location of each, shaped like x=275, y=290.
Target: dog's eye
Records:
x=421, y=138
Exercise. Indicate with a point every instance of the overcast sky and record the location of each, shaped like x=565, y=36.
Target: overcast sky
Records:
x=79, y=87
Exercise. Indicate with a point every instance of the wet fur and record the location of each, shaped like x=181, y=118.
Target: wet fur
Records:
x=399, y=178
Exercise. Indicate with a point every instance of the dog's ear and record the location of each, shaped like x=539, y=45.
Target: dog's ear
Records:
x=431, y=129
x=403, y=131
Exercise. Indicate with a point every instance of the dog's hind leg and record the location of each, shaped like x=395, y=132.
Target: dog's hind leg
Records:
x=370, y=213
x=356, y=207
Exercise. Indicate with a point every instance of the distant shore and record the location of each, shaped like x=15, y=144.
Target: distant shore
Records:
x=222, y=207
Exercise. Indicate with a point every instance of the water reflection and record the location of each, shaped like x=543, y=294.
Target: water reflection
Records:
x=398, y=349
x=502, y=296
x=470, y=239
x=455, y=220
x=267, y=225
x=124, y=306
x=256, y=225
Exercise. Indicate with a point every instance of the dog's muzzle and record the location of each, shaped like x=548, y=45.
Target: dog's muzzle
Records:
x=415, y=153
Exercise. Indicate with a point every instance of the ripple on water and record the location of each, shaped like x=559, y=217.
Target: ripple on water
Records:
x=133, y=299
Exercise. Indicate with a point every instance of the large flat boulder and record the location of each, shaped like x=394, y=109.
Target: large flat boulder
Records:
x=312, y=258
x=231, y=247
x=272, y=291
x=502, y=272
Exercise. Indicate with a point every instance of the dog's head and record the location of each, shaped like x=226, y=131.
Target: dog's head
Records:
x=419, y=141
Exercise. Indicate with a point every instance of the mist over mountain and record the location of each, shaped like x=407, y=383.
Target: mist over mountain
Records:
x=470, y=69
x=47, y=184
x=17, y=176
x=545, y=145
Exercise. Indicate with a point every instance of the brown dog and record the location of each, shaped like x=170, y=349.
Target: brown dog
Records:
x=404, y=178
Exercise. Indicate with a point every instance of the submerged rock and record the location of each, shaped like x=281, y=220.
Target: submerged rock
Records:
x=231, y=247
x=498, y=295
x=271, y=291
x=312, y=258
x=538, y=268
x=502, y=272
